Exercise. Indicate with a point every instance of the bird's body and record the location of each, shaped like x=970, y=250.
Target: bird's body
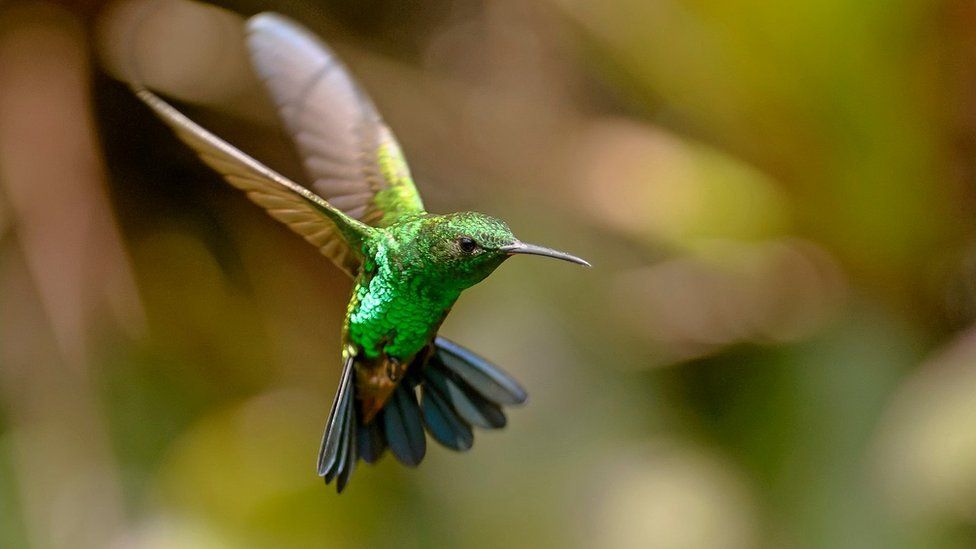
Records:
x=406, y=287
x=409, y=266
x=401, y=297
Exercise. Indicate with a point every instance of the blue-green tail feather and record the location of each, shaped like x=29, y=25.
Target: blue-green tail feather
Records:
x=459, y=390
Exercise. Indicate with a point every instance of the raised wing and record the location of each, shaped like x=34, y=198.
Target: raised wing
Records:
x=349, y=153
x=335, y=234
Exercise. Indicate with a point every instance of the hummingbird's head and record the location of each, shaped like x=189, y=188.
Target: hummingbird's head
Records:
x=471, y=245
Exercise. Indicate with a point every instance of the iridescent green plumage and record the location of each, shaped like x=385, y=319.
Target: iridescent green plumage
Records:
x=363, y=211
x=415, y=274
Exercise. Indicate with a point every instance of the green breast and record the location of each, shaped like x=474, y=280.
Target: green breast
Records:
x=397, y=309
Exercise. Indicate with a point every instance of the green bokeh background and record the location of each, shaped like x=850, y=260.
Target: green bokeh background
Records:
x=775, y=347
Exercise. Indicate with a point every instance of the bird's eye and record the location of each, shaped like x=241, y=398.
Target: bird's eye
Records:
x=467, y=244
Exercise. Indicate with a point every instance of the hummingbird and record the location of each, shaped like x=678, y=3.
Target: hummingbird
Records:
x=409, y=266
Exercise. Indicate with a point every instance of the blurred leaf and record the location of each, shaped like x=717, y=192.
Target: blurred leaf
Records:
x=672, y=496
x=926, y=449
x=659, y=187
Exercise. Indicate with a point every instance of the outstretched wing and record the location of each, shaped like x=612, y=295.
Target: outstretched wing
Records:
x=335, y=234
x=349, y=153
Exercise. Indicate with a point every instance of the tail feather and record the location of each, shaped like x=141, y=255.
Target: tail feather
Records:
x=459, y=390
x=467, y=402
x=484, y=377
x=342, y=450
x=348, y=463
x=371, y=440
x=404, y=428
x=443, y=422
x=336, y=433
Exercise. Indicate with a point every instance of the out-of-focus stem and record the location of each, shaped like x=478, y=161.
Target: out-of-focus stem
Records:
x=64, y=269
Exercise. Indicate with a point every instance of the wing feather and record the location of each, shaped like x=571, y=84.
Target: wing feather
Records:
x=335, y=234
x=350, y=154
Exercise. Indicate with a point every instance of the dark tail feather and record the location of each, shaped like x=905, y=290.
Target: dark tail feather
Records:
x=443, y=421
x=466, y=401
x=459, y=390
x=403, y=426
x=371, y=440
x=484, y=377
x=338, y=442
x=349, y=461
x=462, y=389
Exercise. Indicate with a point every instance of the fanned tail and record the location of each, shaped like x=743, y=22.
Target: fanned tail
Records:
x=459, y=390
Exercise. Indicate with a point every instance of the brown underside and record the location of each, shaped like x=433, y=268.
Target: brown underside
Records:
x=377, y=379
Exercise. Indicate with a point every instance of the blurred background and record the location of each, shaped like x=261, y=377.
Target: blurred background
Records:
x=776, y=346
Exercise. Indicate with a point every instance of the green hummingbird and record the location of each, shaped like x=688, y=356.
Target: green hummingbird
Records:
x=363, y=212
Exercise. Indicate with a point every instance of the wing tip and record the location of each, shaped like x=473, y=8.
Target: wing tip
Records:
x=146, y=95
x=271, y=24
x=266, y=20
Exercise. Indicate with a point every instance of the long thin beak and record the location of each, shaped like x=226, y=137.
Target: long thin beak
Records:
x=532, y=249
